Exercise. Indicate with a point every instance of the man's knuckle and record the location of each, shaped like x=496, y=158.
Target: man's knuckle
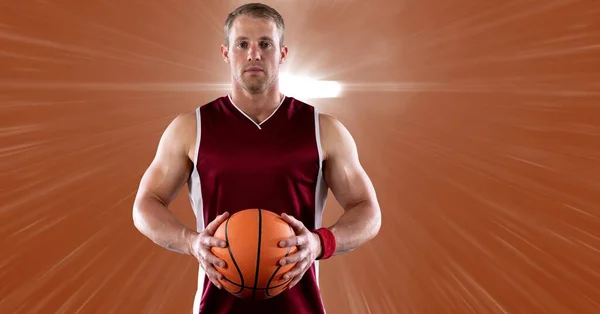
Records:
x=217, y=262
x=210, y=258
x=303, y=256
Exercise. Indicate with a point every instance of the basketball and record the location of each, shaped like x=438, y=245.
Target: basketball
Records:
x=252, y=254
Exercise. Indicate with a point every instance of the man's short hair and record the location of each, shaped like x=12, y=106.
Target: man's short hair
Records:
x=255, y=10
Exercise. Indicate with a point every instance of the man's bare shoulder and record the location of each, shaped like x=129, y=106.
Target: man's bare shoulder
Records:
x=181, y=132
x=328, y=121
x=185, y=120
x=335, y=137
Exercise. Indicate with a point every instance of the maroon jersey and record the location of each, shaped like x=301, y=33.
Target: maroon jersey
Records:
x=274, y=165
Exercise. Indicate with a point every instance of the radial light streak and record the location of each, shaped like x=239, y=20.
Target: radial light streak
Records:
x=304, y=87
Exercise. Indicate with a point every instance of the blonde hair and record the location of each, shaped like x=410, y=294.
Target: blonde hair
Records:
x=255, y=10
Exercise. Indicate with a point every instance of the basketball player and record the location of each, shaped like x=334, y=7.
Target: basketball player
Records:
x=257, y=148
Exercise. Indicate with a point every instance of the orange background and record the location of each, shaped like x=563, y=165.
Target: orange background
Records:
x=478, y=122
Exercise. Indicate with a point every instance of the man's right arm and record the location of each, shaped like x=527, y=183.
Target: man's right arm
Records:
x=160, y=184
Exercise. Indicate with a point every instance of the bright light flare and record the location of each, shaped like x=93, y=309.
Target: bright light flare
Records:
x=303, y=87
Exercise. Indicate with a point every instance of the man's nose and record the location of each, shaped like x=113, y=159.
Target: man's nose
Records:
x=253, y=53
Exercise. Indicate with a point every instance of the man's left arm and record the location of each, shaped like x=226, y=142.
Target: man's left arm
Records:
x=351, y=187
x=353, y=190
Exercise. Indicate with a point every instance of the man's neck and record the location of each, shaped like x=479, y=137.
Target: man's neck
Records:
x=257, y=106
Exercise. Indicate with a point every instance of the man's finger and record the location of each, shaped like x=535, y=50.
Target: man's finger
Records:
x=300, y=268
x=212, y=272
x=294, y=241
x=215, y=282
x=215, y=274
x=212, y=241
x=294, y=258
x=295, y=281
x=207, y=256
x=296, y=224
x=214, y=225
x=212, y=259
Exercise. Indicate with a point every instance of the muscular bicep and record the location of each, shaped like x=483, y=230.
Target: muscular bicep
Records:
x=171, y=166
x=343, y=171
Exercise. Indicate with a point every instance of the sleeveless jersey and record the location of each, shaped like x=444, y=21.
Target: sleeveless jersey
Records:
x=275, y=165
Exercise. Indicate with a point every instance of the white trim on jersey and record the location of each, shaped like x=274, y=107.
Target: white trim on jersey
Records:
x=195, y=194
x=252, y=120
x=321, y=189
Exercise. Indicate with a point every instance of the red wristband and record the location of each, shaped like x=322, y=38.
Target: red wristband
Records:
x=327, y=243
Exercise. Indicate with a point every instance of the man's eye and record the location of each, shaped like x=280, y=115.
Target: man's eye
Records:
x=266, y=45
x=243, y=45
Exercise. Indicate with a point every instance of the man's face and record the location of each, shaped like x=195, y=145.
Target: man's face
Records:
x=254, y=53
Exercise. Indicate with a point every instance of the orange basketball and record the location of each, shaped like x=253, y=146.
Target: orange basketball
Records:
x=253, y=254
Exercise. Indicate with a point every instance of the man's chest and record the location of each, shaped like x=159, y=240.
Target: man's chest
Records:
x=266, y=154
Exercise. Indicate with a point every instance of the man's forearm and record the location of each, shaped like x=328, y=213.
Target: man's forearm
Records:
x=154, y=220
x=358, y=225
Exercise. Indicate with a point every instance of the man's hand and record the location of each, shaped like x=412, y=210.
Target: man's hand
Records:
x=201, y=244
x=309, y=248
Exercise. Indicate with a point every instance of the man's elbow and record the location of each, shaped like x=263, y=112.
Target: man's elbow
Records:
x=375, y=221
x=371, y=217
x=137, y=217
x=139, y=213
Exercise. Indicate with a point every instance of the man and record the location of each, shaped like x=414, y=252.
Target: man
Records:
x=257, y=148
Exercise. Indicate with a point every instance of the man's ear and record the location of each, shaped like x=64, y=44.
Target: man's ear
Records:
x=284, y=53
x=225, y=53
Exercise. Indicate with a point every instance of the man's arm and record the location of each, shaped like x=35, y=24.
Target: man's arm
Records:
x=351, y=187
x=355, y=193
x=161, y=183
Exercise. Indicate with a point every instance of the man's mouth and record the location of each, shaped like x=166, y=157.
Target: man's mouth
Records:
x=254, y=69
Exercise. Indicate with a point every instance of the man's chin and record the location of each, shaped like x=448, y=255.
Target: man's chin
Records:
x=255, y=88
